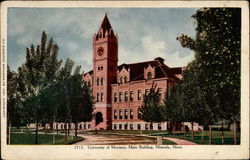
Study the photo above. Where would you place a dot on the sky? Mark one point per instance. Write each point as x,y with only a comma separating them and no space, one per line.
144,33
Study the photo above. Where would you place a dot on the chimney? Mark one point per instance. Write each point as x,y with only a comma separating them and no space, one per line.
160,60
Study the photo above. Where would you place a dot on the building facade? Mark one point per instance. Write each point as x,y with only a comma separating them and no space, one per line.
119,90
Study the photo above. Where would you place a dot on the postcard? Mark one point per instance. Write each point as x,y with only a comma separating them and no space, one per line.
124,80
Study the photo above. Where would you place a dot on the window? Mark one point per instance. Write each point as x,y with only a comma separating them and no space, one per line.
97,97
125,126
131,126
88,126
160,92
146,126
151,126
146,91
131,114
97,81
84,126
139,113
120,126
125,79
120,114
121,80
100,35
102,81
89,84
131,96
159,126
126,96
149,75
115,97
139,126
115,126
80,126
139,95
120,96
115,114
102,97
126,114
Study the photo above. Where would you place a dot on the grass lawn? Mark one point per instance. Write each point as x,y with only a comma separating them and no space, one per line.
228,137
167,142
45,139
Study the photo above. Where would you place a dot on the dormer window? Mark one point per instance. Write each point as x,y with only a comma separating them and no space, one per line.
149,75
121,80
125,79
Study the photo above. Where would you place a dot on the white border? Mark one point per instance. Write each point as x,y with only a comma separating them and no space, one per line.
187,152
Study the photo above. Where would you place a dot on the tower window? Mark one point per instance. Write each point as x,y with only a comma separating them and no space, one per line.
97,81
102,81
97,97
115,97
139,95
126,96
102,97
89,84
149,75
131,96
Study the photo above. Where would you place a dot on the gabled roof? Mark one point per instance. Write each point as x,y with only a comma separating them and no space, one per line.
137,70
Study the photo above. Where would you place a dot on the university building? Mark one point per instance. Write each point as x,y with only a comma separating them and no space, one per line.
119,90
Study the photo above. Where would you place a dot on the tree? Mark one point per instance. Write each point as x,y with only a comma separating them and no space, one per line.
81,100
174,111
217,61
152,110
38,75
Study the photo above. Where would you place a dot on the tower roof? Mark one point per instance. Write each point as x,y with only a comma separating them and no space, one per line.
105,24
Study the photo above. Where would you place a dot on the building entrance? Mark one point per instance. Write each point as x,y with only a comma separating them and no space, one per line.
98,118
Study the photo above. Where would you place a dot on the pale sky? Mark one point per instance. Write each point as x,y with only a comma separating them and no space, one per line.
144,33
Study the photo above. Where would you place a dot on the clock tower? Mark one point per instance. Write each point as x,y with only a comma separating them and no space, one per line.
105,58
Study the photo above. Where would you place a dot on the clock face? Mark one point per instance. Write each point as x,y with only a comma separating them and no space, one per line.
100,51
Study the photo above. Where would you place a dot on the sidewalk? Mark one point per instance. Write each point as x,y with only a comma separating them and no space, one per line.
179,141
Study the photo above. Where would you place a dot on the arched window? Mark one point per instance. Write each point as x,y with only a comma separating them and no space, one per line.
121,80
149,75
125,79
102,80
97,81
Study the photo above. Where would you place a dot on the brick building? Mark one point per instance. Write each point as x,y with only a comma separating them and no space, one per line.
119,90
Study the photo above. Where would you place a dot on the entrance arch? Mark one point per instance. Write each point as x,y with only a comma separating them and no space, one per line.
98,118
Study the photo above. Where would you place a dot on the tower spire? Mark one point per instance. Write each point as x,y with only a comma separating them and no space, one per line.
106,24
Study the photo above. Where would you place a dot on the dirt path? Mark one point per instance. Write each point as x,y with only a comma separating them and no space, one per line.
114,140
180,141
